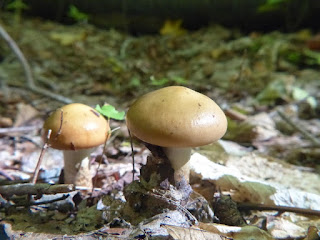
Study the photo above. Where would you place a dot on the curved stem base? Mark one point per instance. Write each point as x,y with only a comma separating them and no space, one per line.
179,159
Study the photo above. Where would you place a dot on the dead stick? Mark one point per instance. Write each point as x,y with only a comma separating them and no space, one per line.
176,205
235,115
132,154
100,161
6,175
33,203
263,207
14,47
49,94
19,129
37,169
299,129
35,189
27,70
63,197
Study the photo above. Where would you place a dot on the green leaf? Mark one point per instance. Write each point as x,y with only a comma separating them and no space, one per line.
165,81
179,80
277,89
299,94
17,5
158,82
109,111
313,57
76,14
134,82
272,5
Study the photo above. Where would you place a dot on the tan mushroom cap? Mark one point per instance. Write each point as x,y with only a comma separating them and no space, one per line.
82,127
176,117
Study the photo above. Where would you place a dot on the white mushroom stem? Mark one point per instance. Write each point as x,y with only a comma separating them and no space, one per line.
77,167
179,159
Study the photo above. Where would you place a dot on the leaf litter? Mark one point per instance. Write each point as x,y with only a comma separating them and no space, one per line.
264,158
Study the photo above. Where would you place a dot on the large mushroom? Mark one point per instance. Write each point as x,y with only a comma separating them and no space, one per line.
176,118
77,130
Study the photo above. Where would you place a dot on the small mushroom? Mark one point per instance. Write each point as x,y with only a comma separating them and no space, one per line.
77,129
176,118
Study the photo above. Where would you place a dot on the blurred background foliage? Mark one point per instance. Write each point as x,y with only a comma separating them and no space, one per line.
237,48
145,16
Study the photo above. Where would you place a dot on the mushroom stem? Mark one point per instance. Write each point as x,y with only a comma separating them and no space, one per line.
179,159
77,167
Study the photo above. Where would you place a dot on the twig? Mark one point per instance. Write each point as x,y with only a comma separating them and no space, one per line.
132,154
44,148
176,205
14,47
235,115
6,175
33,203
49,94
103,152
19,129
87,189
306,134
263,207
35,189
114,136
100,159
27,70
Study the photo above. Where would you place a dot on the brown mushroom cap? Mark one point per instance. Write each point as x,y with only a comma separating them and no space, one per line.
82,127
176,117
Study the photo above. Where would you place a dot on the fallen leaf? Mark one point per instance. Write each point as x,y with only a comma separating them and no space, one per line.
25,113
236,233
180,233
243,188
284,229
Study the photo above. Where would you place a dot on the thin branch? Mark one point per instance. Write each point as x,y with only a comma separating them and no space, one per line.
34,203
27,70
109,139
235,115
6,175
264,207
43,150
49,94
176,205
14,47
298,128
100,159
19,129
132,155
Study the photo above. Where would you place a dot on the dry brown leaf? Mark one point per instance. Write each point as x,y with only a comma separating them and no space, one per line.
284,228
246,189
5,122
40,236
25,113
236,233
180,233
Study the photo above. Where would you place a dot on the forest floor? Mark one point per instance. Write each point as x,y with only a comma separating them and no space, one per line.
268,84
